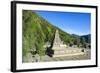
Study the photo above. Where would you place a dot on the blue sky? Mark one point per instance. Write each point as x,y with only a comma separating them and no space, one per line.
71,22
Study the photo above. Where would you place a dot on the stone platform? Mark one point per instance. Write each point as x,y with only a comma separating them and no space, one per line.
61,49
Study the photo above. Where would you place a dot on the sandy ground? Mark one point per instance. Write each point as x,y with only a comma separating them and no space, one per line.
46,58
87,55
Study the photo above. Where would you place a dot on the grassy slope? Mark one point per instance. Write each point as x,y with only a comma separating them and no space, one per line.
36,31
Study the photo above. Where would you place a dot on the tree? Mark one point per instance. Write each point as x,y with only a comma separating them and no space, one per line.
83,42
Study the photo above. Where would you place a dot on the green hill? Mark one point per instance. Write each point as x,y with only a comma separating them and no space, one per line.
37,32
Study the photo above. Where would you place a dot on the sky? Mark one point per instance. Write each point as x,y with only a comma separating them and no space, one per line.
70,22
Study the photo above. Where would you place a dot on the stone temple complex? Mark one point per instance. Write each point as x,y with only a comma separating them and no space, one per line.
60,49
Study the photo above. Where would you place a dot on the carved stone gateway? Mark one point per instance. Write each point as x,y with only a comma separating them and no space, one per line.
61,49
